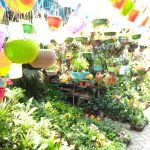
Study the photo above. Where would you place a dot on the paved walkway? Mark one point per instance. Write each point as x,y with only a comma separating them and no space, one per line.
141,140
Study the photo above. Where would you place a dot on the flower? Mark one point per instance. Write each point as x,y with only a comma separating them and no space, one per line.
9,82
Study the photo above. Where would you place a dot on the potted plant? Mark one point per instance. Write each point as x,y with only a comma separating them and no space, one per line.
54,21
79,68
28,28
99,21
112,66
97,64
53,69
69,56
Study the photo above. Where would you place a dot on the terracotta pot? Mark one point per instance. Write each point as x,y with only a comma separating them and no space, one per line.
98,77
68,60
81,83
110,79
54,21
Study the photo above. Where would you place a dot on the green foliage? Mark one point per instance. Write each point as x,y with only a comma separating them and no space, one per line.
54,125
32,81
80,64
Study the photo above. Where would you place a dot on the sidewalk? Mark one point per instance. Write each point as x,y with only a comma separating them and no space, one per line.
141,140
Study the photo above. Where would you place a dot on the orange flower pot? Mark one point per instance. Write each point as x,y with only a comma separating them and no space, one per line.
54,21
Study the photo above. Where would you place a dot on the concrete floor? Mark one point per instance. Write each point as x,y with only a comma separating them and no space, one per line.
141,140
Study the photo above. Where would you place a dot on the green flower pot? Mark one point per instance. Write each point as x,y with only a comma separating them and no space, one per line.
109,33
136,36
28,28
81,39
111,41
99,22
69,40
21,51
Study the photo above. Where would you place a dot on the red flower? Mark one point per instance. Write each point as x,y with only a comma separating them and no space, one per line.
9,82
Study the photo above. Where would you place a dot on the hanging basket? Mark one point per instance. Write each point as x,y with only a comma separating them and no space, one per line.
28,28
68,39
99,22
2,39
44,59
4,71
20,6
136,36
15,71
4,61
81,39
21,51
2,93
54,21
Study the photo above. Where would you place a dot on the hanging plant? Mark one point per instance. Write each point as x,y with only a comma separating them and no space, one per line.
21,51
99,22
54,22
136,36
81,39
28,28
110,33
44,59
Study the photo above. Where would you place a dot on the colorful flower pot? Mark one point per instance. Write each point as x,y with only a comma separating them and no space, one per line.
69,40
21,51
28,28
118,3
109,33
81,39
44,59
127,6
54,21
136,36
4,71
110,41
20,6
99,22
4,61
97,68
133,15
78,75
75,24
2,93
2,39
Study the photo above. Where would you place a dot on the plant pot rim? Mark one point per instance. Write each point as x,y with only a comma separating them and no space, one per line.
53,16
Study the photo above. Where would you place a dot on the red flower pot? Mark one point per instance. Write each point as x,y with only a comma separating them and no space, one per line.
54,21
2,93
